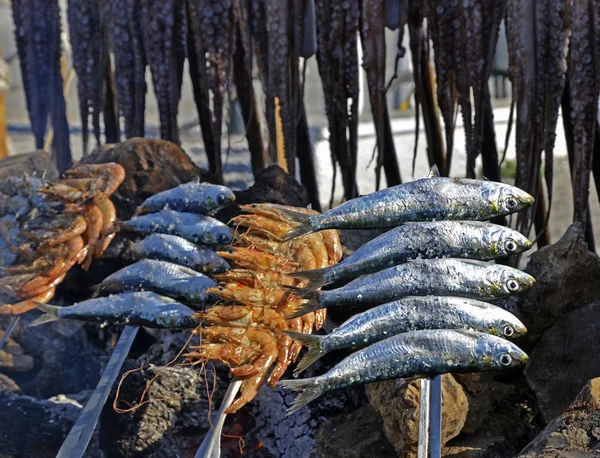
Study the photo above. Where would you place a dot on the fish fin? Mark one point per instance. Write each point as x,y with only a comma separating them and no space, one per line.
313,342
308,392
434,172
51,314
315,278
302,219
313,303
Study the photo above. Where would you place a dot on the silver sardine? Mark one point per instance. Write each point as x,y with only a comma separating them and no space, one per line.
416,353
410,314
430,277
193,197
438,239
133,308
173,248
427,199
161,277
195,228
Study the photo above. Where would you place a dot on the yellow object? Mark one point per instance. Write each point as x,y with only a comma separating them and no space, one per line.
279,136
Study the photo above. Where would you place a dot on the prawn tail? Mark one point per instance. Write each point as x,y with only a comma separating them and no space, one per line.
315,278
309,389
311,304
51,314
315,352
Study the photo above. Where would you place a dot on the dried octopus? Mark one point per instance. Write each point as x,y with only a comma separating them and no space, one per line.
248,336
49,227
37,35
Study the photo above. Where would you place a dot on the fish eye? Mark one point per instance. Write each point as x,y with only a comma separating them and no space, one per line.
220,198
505,359
186,321
508,331
512,285
510,246
511,203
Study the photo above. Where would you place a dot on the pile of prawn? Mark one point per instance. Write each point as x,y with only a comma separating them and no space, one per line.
48,227
246,332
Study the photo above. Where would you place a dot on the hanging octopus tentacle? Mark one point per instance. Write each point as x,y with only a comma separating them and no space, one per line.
373,43
424,91
337,57
85,37
164,26
537,34
281,67
130,64
212,33
37,35
584,86
555,70
441,15
521,44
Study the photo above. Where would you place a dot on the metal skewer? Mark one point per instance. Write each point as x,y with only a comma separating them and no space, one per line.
9,331
211,445
430,418
423,450
435,417
77,441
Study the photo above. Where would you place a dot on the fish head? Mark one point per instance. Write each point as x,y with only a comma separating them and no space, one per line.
219,196
505,324
496,353
174,318
507,241
505,281
511,199
222,235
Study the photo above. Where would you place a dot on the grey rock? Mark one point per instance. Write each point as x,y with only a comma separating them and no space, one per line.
38,163
36,428
357,434
566,276
575,433
567,356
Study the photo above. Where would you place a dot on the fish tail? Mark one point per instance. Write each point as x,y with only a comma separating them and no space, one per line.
293,217
51,314
315,278
315,352
312,303
309,391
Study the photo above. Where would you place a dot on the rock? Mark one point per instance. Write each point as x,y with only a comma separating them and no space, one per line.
399,409
483,394
357,434
13,358
575,433
565,358
151,166
39,162
295,435
62,347
8,385
275,186
37,428
566,276
480,446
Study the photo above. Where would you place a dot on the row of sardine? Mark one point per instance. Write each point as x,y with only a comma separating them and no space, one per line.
432,319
